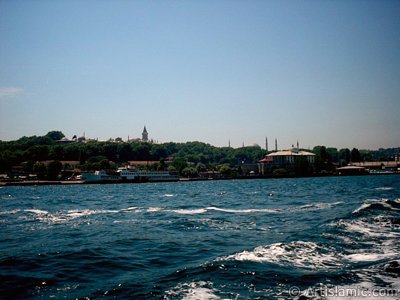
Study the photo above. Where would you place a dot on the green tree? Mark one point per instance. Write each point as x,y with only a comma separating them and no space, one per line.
344,155
189,172
53,169
104,164
56,152
179,164
40,169
8,159
37,153
302,167
225,170
28,166
55,135
321,157
172,169
333,154
201,167
355,155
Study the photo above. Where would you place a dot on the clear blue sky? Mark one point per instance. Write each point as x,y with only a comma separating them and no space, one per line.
321,72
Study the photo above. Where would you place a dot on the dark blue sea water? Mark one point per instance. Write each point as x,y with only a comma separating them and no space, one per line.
239,239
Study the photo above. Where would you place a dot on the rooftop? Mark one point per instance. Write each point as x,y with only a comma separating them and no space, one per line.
291,152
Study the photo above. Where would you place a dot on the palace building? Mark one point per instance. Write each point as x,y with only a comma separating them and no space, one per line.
284,159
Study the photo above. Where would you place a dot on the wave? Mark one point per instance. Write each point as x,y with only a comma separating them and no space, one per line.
72,214
189,211
131,209
193,291
251,210
168,195
154,209
37,211
369,257
378,228
60,217
384,188
317,206
9,212
202,210
299,253
383,204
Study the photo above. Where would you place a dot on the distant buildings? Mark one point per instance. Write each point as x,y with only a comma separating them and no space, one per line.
285,159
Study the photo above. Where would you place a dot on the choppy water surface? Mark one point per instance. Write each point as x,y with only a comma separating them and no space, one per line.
265,239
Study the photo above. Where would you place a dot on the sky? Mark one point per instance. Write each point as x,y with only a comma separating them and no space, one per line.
317,72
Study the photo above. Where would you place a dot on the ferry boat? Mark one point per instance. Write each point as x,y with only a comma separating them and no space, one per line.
126,175
100,176
129,175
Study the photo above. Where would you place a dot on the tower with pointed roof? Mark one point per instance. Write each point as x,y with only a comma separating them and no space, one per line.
145,135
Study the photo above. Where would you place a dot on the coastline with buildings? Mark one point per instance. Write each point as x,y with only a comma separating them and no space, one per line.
54,159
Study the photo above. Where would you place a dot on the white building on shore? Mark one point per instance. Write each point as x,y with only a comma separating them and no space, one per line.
284,159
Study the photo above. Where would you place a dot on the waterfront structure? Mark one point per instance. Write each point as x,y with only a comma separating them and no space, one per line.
379,165
145,135
285,159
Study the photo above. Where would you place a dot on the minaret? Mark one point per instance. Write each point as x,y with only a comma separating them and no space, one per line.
298,146
266,144
276,145
229,143
145,135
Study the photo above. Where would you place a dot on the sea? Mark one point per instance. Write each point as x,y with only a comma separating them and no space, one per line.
298,238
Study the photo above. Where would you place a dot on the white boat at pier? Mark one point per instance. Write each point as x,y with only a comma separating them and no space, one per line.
127,175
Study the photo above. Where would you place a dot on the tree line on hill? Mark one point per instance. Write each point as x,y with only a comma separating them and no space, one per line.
32,151
188,158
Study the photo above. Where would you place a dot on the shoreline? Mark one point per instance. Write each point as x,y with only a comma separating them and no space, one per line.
78,182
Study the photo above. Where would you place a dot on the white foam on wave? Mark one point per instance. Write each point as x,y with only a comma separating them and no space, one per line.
366,257
377,229
318,206
44,216
154,209
200,290
370,202
189,211
62,217
72,214
9,212
299,253
192,211
168,195
384,188
37,211
250,210
131,209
